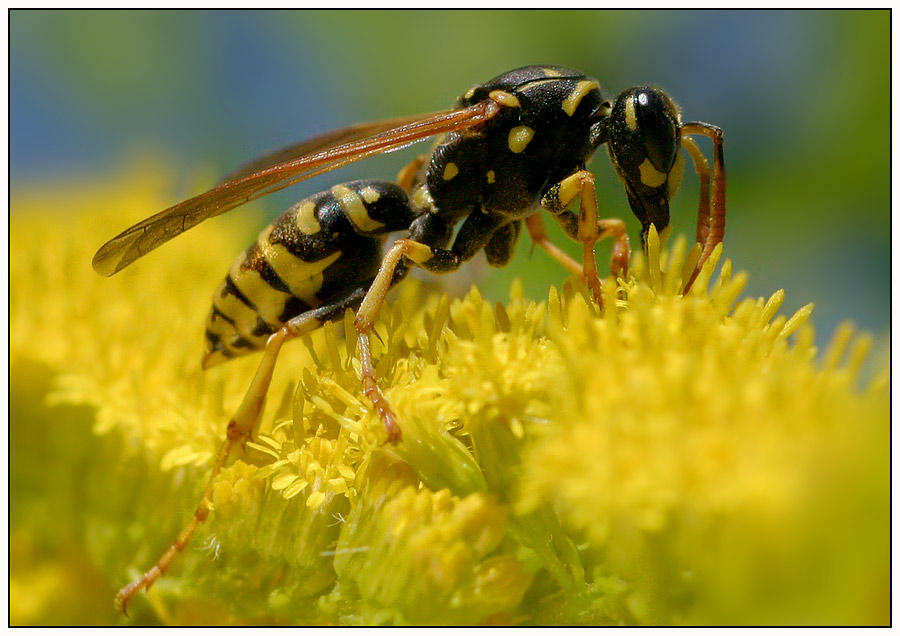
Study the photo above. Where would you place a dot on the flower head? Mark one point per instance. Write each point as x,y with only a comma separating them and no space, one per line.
671,458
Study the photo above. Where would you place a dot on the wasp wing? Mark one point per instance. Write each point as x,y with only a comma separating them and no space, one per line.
318,143
281,169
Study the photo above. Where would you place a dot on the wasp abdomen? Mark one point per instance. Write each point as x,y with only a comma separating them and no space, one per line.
321,249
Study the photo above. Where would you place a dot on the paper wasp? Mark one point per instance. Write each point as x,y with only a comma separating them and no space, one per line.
509,148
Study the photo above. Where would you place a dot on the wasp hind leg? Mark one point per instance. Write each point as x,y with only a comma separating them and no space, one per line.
240,429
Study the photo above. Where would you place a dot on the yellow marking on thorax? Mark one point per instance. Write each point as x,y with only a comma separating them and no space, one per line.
370,194
491,177
519,137
570,103
630,115
450,171
353,206
549,72
537,82
306,218
469,93
504,99
650,176
302,278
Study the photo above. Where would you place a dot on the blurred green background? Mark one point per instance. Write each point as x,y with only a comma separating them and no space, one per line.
802,96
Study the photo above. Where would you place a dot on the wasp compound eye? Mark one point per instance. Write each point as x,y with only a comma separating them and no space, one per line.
657,125
644,127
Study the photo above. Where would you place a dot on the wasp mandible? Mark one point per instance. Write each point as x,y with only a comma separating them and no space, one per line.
511,147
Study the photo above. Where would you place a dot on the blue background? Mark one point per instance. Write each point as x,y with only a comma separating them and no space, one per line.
802,96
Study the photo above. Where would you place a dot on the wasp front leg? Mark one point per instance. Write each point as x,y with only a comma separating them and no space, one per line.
585,227
711,209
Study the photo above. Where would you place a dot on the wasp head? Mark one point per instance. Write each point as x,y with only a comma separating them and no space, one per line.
643,131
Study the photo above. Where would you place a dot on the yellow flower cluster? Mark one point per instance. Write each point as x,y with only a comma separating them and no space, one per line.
669,459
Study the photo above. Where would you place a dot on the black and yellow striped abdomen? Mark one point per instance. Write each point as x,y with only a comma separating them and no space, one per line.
313,257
